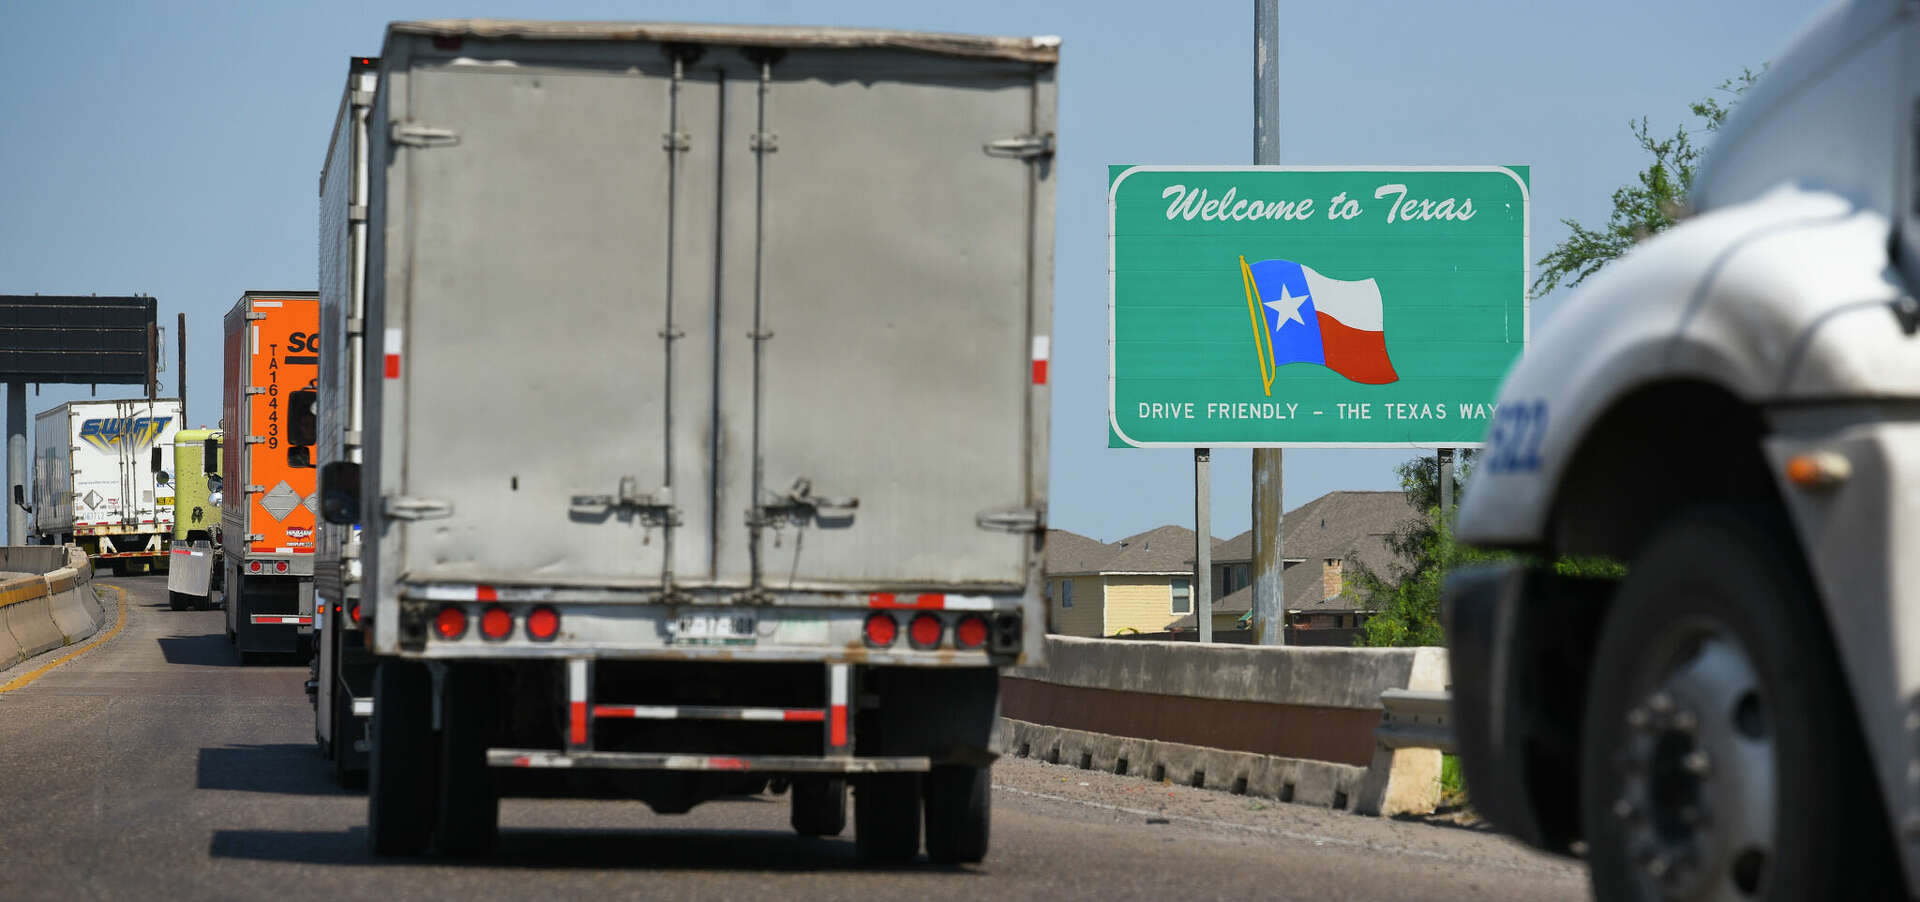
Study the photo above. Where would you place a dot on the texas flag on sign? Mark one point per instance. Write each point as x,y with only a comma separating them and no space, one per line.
1301,316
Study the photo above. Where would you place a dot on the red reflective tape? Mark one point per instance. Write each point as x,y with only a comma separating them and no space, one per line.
727,763
579,727
890,601
1039,372
811,716
181,551
523,761
485,593
837,728
393,366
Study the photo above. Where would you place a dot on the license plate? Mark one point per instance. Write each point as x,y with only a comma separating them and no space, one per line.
715,628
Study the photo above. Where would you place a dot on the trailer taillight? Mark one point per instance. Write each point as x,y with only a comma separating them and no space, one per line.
253,566
882,630
925,631
354,612
970,632
496,623
451,622
543,623
279,566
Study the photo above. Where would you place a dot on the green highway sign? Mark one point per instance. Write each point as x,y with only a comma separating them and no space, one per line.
1293,306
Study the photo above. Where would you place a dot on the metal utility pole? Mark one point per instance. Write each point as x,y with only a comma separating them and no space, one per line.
16,459
1444,457
180,379
1203,542
1269,602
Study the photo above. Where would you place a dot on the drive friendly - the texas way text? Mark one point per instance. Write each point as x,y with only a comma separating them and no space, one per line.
1287,410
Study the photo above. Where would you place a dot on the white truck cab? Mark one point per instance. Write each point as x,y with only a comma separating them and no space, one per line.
1733,411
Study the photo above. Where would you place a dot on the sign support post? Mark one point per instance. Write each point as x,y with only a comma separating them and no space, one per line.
1203,543
1269,607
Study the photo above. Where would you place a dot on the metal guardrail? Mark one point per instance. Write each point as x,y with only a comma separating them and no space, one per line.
1419,720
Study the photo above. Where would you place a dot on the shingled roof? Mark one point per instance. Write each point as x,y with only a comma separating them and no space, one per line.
1071,552
1166,549
1348,526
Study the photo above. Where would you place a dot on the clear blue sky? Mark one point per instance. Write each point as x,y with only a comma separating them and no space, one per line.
174,149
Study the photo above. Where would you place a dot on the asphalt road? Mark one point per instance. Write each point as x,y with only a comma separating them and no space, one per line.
154,766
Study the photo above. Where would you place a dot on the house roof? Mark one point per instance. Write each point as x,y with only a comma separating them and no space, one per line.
1165,549
1345,526
1071,552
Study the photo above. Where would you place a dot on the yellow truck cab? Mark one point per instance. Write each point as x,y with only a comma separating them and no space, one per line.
195,548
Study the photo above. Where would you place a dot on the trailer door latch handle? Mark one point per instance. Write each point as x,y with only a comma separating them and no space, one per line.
403,508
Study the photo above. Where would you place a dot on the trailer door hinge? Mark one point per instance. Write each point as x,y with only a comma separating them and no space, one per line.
764,142
256,489
356,325
1019,519
357,213
414,134
256,537
1025,147
256,439
363,98
676,141
256,390
255,315
395,507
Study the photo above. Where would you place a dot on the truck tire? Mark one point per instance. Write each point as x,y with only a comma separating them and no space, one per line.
959,802
469,802
886,825
402,782
819,806
1721,757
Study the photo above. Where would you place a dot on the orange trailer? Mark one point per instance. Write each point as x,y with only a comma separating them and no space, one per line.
268,506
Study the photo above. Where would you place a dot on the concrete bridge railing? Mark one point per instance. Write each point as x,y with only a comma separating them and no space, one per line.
1290,723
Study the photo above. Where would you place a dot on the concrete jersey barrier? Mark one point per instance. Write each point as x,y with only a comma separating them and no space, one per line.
1286,722
49,605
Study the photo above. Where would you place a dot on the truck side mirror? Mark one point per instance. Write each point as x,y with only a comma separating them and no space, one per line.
210,456
154,466
340,492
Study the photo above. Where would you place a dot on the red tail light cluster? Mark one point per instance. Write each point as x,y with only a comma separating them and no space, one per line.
496,623
926,630
354,612
253,566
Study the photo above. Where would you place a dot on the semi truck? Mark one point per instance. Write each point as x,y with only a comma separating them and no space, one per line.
1732,411
267,422
342,677
102,480
193,559
705,444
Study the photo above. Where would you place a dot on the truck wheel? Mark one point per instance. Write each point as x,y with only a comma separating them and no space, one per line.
1721,757
819,806
469,803
886,823
401,783
959,801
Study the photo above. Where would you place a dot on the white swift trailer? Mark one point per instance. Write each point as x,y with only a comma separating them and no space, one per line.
103,479
706,419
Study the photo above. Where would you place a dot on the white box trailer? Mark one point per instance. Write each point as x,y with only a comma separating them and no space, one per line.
706,424
342,679
98,483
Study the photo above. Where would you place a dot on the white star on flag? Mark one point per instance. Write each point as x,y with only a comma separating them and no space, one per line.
1289,306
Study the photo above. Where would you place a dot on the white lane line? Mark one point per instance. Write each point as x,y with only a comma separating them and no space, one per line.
1315,838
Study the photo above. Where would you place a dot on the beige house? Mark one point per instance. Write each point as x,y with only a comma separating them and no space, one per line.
1140,584
1322,539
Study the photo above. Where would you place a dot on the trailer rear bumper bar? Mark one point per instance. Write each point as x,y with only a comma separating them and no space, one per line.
587,760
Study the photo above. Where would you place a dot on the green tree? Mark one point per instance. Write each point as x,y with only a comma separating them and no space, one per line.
1651,203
